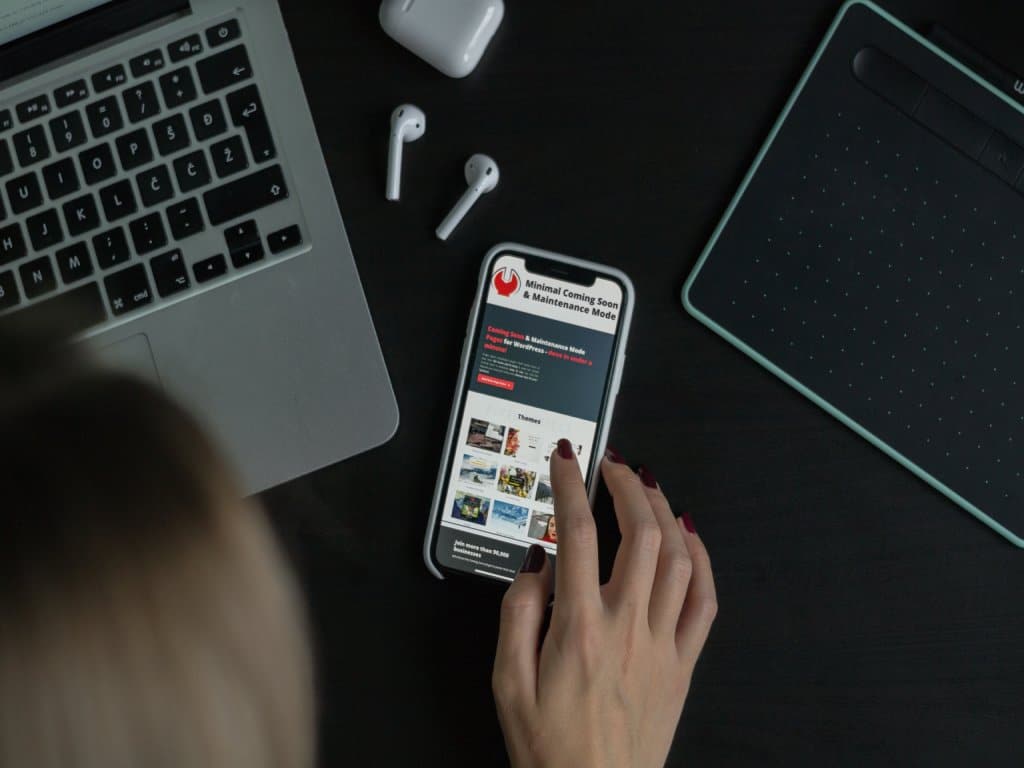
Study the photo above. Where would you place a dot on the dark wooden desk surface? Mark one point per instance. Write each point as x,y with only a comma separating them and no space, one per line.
864,619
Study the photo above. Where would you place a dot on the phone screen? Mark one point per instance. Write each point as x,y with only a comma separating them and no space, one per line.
542,358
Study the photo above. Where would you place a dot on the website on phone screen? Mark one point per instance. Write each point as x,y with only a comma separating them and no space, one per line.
538,373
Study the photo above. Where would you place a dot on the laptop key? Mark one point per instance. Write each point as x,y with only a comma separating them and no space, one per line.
81,215
171,134
284,239
210,268
208,120
111,248
30,146
37,277
245,195
67,131
223,33
224,69
73,311
148,233
44,230
128,289
8,291
155,185
6,161
185,219
109,78
229,156
24,193
247,256
72,93
97,164
241,235
178,87
12,244
185,48
246,110
192,171
61,178
104,117
6,120
74,263
140,102
118,200
33,108
147,63
169,273
134,149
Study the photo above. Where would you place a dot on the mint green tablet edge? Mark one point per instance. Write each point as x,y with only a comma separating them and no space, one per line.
763,361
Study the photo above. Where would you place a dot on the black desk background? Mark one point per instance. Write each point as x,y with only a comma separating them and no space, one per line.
863,617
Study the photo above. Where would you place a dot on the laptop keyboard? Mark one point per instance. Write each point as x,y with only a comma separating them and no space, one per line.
108,180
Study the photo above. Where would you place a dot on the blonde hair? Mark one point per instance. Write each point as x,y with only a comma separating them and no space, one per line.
147,616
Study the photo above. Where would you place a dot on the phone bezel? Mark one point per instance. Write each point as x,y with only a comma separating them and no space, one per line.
561,267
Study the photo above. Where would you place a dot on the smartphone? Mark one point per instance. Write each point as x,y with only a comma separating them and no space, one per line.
544,353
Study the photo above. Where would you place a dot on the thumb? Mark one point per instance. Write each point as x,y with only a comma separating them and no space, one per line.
522,616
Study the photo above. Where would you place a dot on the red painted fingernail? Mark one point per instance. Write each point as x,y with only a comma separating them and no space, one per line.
688,522
614,455
647,477
534,560
565,449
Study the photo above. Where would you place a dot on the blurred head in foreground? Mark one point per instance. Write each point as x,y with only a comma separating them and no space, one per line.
147,617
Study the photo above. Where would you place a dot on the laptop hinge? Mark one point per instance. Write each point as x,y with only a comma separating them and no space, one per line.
61,41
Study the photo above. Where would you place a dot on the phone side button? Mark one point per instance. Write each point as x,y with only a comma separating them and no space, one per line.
617,378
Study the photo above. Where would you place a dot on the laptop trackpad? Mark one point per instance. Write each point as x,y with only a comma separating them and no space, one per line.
133,355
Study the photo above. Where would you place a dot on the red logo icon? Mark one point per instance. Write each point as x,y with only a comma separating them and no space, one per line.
506,281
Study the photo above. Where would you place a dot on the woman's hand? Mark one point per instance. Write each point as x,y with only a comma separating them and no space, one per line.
606,685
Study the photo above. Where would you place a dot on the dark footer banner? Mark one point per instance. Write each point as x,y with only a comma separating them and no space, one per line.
463,549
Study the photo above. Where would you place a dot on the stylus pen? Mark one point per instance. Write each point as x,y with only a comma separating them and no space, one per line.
997,75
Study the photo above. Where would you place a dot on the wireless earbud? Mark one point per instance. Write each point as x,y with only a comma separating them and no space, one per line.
482,176
408,123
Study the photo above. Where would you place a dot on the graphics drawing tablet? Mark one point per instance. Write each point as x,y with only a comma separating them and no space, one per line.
873,258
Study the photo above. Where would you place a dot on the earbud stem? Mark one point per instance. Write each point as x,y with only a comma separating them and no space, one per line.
458,213
394,186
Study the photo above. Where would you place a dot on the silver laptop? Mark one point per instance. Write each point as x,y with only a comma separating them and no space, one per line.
164,195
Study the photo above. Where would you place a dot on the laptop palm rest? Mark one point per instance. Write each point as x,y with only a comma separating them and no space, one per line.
132,355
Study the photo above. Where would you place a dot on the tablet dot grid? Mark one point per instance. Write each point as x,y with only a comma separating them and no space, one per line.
884,270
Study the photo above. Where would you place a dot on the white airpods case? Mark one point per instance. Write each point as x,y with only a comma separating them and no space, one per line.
451,35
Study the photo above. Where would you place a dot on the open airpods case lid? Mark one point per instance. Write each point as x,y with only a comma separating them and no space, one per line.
451,35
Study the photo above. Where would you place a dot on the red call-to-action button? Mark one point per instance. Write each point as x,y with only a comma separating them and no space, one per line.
483,378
